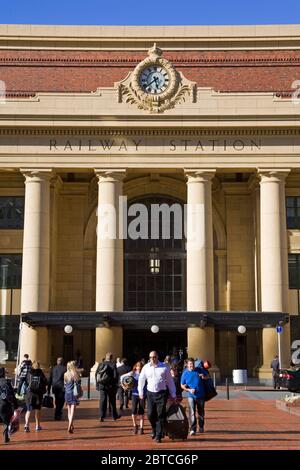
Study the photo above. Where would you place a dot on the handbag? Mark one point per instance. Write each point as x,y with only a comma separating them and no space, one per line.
48,402
209,390
77,390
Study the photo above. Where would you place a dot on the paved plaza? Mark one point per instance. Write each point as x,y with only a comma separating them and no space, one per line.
248,421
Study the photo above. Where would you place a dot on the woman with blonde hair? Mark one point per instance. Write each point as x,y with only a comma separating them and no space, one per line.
72,392
138,405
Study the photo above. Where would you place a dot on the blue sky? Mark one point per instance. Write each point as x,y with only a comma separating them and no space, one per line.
150,12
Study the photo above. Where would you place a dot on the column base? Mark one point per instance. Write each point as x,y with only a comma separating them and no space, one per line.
264,373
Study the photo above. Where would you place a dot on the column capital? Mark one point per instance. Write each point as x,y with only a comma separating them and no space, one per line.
37,175
272,175
196,175
110,175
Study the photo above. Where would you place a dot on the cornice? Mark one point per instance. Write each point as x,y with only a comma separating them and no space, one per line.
178,58
142,37
149,132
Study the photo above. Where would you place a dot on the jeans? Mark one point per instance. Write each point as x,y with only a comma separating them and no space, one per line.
198,403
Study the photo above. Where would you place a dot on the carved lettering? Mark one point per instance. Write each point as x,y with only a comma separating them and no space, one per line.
123,146
172,145
107,144
68,146
53,144
136,143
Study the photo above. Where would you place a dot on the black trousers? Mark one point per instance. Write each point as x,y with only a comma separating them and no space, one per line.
275,380
123,397
59,395
157,411
6,412
111,394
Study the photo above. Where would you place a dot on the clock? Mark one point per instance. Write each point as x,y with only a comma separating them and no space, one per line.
154,79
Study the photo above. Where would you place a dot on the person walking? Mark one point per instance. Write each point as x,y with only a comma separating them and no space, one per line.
192,382
23,371
106,383
72,382
36,384
137,404
122,394
275,371
159,383
177,381
56,382
8,403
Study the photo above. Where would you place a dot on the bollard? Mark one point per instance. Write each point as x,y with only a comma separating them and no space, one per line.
89,388
227,388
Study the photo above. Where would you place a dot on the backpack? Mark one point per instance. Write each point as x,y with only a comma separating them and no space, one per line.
5,393
104,375
36,385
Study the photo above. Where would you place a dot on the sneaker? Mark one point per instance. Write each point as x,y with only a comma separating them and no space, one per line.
192,433
117,417
26,429
38,428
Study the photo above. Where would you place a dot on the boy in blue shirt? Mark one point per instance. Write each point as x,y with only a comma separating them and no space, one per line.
192,382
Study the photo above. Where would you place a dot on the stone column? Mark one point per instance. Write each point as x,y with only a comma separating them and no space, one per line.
274,262
36,260
109,271
200,278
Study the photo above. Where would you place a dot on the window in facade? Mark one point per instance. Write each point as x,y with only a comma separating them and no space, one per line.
294,271
10,271
155,268
11,212
293,212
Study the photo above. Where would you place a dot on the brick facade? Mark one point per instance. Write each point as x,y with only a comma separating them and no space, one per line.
85,71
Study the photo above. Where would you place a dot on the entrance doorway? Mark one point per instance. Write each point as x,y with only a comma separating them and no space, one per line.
155,268
138,344
241,352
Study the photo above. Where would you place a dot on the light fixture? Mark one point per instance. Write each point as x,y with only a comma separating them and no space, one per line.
154,328
68,329
154,261
242,329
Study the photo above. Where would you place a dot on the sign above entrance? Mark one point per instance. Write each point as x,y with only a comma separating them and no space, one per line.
155,85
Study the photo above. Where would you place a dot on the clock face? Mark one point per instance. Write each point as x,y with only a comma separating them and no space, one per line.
154,79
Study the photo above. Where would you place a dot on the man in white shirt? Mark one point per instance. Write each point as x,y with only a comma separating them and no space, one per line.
159,384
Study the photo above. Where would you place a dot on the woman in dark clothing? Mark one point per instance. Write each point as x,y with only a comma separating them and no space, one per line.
36,387
8,403
177,378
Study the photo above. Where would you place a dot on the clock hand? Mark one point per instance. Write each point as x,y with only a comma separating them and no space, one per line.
154,80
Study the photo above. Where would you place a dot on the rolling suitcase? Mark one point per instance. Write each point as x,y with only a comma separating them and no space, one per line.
177,425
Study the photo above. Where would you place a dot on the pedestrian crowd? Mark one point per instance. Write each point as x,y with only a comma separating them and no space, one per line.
151,387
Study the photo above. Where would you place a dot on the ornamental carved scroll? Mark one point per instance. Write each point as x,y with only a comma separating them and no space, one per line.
178,90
